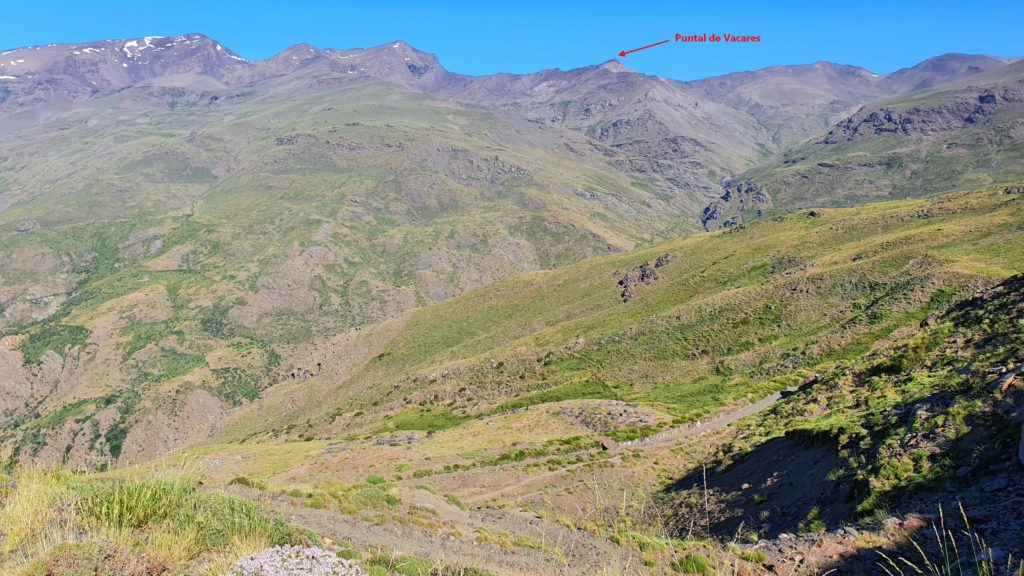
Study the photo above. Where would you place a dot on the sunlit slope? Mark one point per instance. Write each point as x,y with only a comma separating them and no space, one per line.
732,315
950,137
166,254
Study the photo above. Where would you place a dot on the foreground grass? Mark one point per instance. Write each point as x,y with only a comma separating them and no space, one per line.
57,522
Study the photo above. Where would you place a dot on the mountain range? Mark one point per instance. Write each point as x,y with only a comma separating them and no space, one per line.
320,192
332,275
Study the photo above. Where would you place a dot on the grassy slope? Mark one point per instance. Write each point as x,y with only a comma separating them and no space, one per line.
180,246
933,159
919,420
734,315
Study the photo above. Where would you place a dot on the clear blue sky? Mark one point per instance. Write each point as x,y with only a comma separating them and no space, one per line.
485,37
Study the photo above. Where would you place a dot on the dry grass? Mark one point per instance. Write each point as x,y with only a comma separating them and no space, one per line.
159,518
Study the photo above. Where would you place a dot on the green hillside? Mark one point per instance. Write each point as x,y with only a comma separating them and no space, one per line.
732,315
950,137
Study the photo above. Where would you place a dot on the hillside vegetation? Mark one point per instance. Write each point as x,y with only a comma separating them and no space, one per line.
947,137
730,316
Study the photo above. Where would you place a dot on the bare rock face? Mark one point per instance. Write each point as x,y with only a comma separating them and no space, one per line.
198,418
22,386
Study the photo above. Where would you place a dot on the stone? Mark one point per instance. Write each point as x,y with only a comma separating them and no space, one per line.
931,320
994,485
892,524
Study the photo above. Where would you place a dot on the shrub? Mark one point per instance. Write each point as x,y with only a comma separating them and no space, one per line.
454,501
812,523
691,564
247,482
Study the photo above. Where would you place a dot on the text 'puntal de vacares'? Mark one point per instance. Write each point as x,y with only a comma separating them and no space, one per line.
716,38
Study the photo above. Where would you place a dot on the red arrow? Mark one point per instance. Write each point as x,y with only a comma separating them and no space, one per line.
624,52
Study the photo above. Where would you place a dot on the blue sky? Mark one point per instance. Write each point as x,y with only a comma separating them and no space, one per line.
485,37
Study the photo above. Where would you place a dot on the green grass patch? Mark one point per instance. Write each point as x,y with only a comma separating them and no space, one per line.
426,419
586,389
52,337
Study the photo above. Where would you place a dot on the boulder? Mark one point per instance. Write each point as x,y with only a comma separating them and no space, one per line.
994,485
931,320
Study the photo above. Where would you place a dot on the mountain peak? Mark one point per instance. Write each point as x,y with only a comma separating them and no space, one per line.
614,65
941,69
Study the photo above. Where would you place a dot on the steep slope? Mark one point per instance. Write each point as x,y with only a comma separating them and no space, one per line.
859,275
192,247
155,356
941,70
42,77
794,102
803,101
932,418
954,135
686,142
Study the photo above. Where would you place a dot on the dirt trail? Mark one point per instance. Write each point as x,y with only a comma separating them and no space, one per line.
659,439
555,551
462,535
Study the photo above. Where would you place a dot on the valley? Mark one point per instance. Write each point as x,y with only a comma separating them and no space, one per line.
583,321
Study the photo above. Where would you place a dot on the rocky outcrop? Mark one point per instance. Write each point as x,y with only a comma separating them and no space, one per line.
642,274
738,197
966,109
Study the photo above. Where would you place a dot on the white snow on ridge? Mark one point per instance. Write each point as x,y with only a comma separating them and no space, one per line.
397,44
7,77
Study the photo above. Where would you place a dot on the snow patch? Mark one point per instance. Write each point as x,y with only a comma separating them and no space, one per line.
219,48
76,52
123,64
7,77
90,50
397,44
239,58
